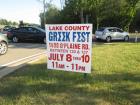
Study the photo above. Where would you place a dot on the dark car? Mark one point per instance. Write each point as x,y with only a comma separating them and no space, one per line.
27,34
7,28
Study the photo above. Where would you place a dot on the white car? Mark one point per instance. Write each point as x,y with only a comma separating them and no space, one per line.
3,44
111,33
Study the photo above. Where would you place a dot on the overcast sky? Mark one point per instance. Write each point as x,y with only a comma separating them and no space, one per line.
26,10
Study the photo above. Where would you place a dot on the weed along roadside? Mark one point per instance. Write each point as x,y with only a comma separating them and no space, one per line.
114,80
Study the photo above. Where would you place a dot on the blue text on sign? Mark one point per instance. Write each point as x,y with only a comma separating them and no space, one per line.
65,36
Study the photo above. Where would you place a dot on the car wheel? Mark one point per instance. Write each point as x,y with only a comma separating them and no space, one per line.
108,39
44,40
15,39
126,38
3,48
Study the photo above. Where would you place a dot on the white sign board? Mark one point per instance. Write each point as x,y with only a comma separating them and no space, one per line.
69,47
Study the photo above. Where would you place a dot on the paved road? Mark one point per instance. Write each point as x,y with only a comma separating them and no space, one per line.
18,51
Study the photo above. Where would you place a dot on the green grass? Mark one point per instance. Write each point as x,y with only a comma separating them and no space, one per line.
115,80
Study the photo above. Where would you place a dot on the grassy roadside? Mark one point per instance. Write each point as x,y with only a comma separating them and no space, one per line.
115,80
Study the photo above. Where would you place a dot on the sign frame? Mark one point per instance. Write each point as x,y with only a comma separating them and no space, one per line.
69,47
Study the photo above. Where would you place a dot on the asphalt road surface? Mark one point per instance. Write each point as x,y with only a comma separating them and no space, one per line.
18,51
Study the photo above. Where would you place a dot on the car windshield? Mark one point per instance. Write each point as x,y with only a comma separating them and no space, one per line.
112,30
40,29
101,29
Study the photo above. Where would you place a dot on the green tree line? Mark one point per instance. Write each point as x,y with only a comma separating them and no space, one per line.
101,13
6,22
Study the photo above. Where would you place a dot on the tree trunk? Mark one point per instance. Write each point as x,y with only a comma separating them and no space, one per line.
97,23
82,15
132,14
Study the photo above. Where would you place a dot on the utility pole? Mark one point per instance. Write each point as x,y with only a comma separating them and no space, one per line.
62,2
45,6
87,18
44,12
82,15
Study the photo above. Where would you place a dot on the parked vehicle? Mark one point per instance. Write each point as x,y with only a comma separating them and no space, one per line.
27,33
6,29
3,44
111,33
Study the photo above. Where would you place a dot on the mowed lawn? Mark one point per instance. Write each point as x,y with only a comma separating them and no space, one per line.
115,80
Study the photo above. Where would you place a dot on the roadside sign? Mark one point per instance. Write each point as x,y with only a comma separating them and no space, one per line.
69,47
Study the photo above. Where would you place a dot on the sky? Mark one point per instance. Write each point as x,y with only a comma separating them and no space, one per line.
26,10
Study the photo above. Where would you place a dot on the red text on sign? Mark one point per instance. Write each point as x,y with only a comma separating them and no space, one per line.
56,57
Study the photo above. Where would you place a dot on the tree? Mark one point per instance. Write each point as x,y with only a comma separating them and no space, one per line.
45,6
51,15
130,11
6,22
118,13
